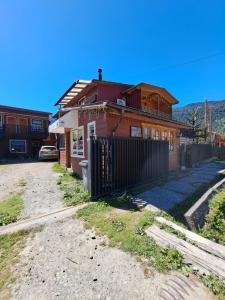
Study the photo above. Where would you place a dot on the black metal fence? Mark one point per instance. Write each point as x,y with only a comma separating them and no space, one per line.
117,163
196,153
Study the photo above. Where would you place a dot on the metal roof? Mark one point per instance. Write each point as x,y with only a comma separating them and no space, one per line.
73,91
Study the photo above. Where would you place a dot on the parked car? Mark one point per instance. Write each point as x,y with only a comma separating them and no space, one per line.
48,152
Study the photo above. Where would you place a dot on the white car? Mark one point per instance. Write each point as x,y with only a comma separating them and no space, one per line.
48,152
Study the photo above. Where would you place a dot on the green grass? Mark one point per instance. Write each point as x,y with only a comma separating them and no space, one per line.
125,230
214,227
73,190
10,209
215,285
180,209
58,168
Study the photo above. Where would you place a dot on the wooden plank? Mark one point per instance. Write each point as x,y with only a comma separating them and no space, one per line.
201,242
202,261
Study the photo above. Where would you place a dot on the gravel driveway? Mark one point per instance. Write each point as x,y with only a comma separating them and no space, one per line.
37,183
66,261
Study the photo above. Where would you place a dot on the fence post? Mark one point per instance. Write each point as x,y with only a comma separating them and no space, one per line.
90,161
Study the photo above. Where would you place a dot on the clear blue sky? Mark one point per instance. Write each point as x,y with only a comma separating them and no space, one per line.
45,45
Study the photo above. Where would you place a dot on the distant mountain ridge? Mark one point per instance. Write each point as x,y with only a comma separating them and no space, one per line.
218,114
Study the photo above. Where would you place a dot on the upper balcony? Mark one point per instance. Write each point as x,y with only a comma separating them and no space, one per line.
23,131
157,113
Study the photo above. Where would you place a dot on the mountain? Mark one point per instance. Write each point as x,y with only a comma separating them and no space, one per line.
217,111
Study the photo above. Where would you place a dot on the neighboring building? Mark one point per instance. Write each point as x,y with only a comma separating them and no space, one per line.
22,131
104,108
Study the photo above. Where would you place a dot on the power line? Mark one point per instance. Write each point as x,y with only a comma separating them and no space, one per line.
190,61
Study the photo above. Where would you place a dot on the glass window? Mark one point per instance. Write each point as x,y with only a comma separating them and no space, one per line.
77,143
136,131
171,140
91,129
147,133
1,121
36,125
164,135
155,134
17,146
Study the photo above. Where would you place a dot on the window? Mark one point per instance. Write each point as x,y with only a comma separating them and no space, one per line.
155,134
17,146
36,125
77,142
61,141
91,127
136,131
164,135
147,133
1,121
171,140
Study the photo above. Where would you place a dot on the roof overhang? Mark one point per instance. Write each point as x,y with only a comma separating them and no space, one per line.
73,91
69,120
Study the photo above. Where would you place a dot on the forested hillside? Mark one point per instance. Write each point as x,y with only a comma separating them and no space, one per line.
218,114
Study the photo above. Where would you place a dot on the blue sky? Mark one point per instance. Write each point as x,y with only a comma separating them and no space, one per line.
45,45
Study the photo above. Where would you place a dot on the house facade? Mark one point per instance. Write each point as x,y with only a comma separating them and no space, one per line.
103,108
22,131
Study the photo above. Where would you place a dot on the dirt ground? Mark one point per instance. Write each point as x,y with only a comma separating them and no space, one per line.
37,183
66,261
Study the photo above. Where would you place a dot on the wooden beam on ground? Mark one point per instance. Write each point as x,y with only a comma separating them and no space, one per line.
201,242
201,261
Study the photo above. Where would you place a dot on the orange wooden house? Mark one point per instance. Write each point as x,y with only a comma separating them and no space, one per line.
104,108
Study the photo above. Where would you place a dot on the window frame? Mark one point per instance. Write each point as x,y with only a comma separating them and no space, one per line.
135,127
72,142
38,128
88,129
10,146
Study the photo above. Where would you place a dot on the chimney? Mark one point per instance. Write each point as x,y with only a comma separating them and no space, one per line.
99,74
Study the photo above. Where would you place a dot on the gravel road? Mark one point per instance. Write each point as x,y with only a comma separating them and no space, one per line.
37,183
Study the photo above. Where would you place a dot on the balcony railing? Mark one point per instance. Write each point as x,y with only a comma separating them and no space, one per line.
155,112
23,131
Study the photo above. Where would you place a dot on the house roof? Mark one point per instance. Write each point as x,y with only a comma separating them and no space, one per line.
153,88
73,91
11,109
80,87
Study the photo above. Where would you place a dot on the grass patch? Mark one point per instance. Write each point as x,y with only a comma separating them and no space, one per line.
10,209
10,246
180,209
214,228
215,285
58,168
125,230
73,190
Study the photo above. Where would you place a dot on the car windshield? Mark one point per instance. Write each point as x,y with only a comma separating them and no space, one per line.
49,148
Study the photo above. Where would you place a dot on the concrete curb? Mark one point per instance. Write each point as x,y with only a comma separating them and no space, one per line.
195,216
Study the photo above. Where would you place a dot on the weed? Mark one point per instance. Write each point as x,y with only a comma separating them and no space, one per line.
58,168
215,285
73,189
10,209
214,227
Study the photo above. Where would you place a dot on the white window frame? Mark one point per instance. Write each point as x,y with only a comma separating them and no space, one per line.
37,128
10,146
71,142
88,128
